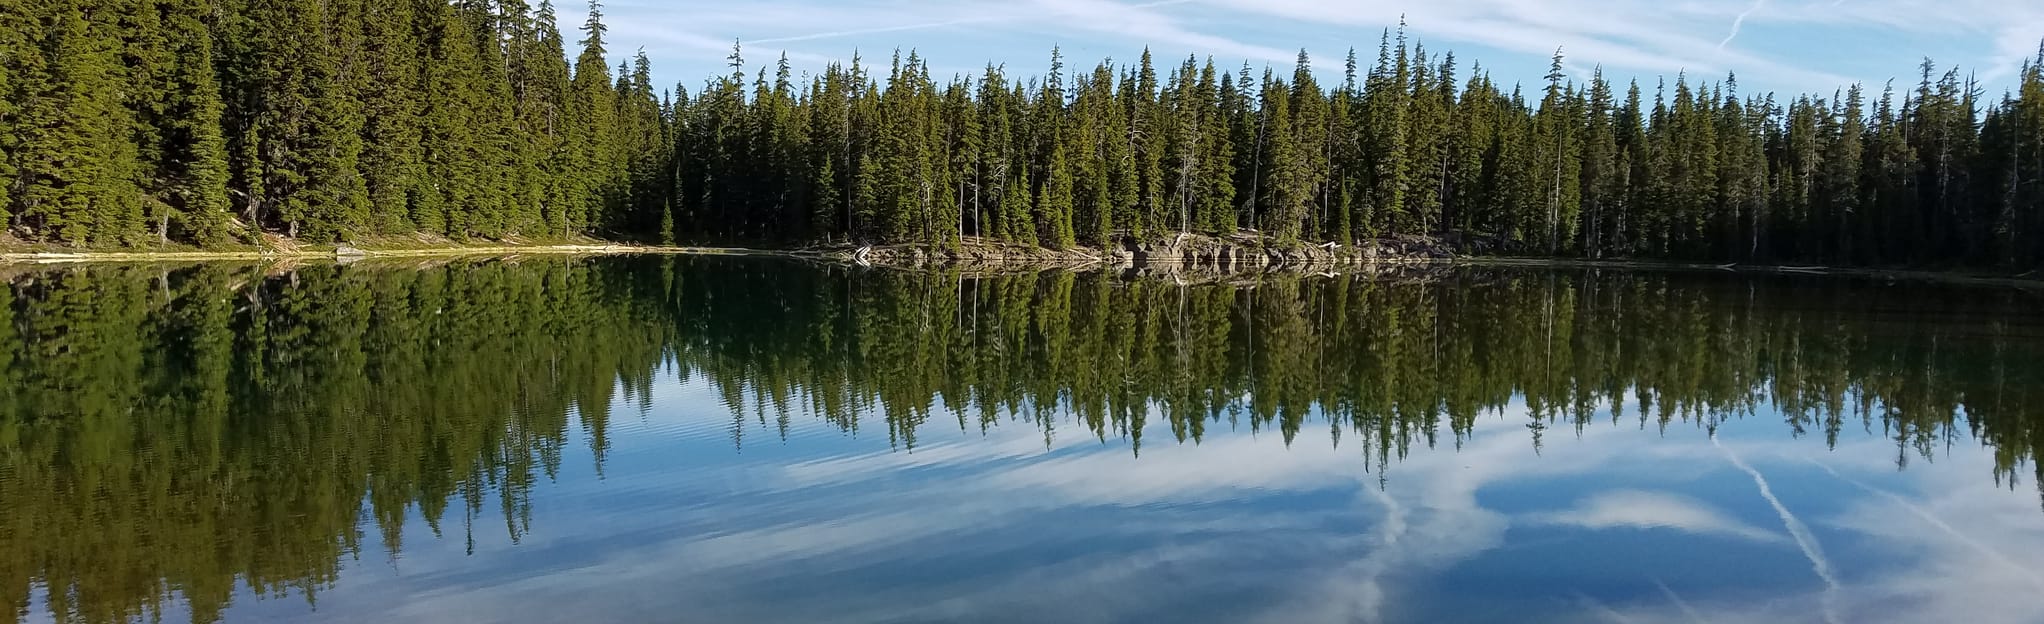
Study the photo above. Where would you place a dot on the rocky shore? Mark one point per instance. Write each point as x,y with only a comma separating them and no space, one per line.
1240,250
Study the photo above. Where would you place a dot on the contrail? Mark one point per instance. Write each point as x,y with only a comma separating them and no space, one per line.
1740,21
1935,521
1681,604
1603,609
1804,539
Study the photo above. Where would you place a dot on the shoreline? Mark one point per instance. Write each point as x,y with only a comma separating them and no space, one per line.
347,254
996,258
2032,280
1307,258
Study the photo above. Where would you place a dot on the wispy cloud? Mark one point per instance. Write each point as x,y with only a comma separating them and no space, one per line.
1632,35
1634,509
1629,37
1932,519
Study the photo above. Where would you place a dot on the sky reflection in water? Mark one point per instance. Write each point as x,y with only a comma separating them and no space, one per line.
696,514
1621,524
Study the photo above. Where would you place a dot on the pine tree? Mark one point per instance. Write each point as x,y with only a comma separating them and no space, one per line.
998,164
393,107
1838,196
1427,149
547,117
964,140
328,200
1055,201
327,120
1016,204
1246,125
1743,208
1692,176
458,155
1889,185
592,115
77,170
1631,219
1472,156
830,137
1214,193
1099,158
1124,208
1347,170
536,75
1149,134
1278,200
1557,159
1518,186
178,109
1305,204
1603,184
1383,119
1054,206
17,55
642,194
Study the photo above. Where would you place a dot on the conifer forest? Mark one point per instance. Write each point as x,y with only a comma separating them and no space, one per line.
217,122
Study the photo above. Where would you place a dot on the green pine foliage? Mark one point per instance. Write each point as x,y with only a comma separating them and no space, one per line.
15,53
209,122
77,167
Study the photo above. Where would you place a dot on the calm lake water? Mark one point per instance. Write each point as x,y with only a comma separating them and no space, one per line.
750,440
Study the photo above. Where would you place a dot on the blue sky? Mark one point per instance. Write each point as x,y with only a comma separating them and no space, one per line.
1620,521
1777,45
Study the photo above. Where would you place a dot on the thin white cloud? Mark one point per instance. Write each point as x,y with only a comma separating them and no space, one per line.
1931,518
1149,24
1694,616
2009,29
1635,509
1221,468
848,513
1604,611
1797,530
1630,35
1741,21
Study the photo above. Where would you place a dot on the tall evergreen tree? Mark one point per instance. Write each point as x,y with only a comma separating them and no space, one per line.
76,166
1555,144
394,107
150,121
592,115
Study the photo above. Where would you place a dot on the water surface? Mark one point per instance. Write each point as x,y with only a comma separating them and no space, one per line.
757,440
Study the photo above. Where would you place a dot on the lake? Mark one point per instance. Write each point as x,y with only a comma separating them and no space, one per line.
711,439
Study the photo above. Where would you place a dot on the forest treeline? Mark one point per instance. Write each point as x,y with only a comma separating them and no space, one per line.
226,425
211,121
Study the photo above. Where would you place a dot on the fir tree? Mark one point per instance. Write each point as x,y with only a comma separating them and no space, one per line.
592,113
393,104
78,169
158,120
